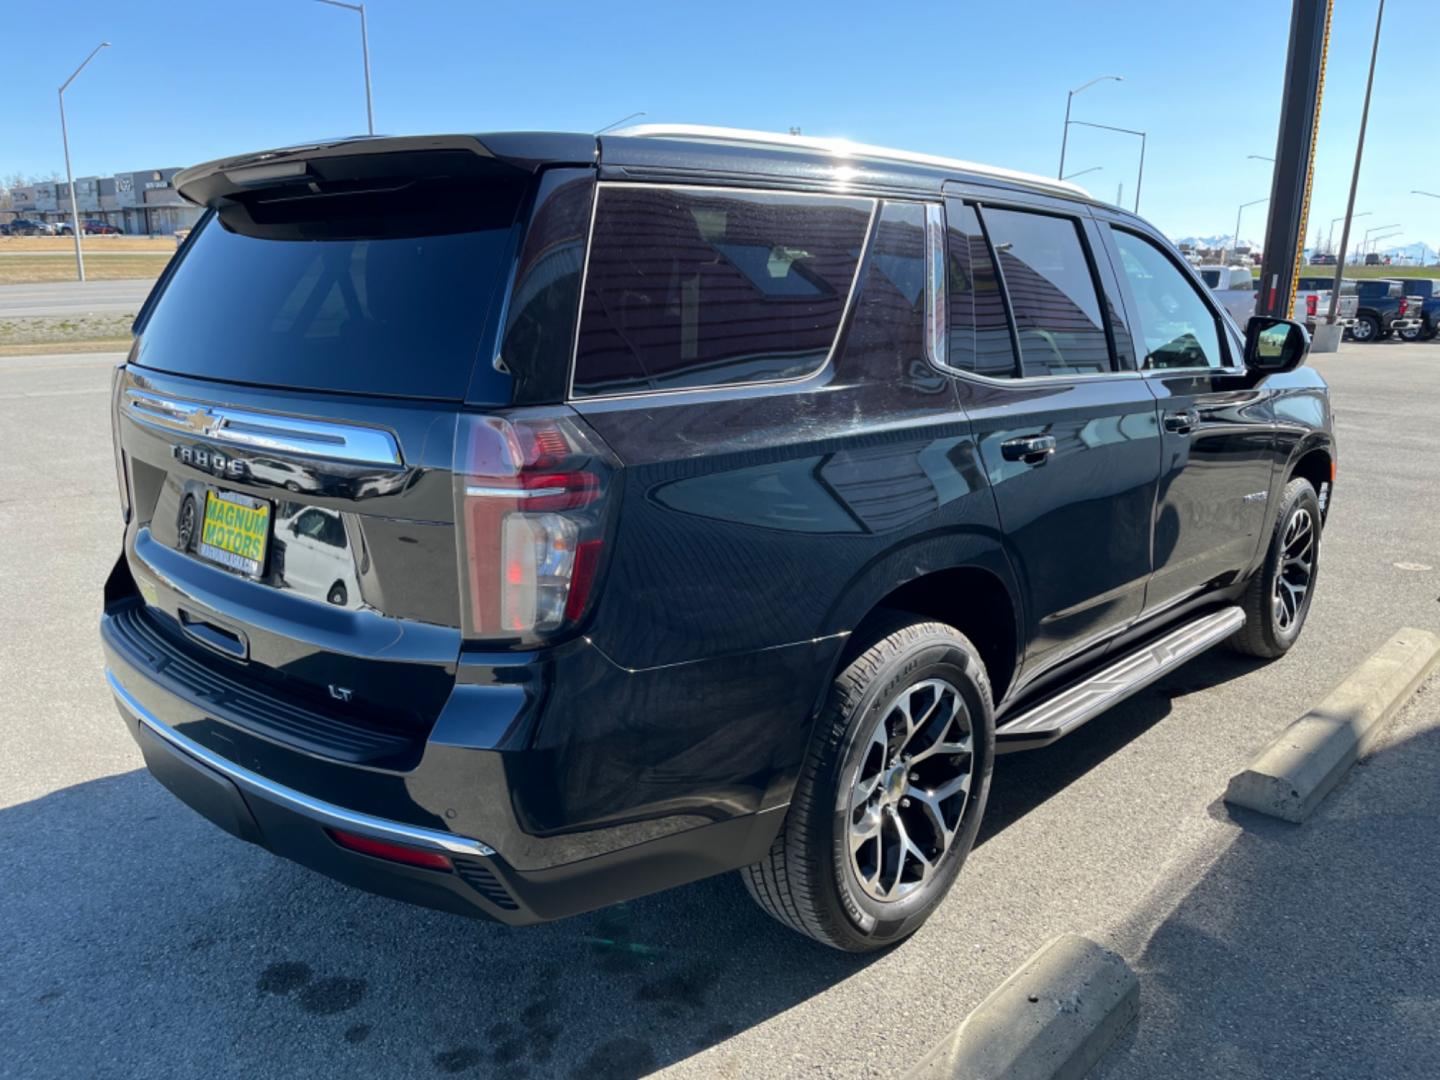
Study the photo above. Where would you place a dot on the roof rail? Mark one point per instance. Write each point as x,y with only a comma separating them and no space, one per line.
841,148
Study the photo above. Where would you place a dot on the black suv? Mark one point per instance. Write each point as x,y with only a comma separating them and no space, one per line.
521,523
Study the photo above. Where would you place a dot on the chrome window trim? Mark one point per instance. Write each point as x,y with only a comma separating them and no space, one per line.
710,388
297,801
264,431
935,298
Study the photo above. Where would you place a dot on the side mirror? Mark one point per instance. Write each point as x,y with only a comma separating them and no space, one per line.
1275,344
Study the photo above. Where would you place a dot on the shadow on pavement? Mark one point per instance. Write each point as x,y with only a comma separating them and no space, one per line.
1306,950
138,940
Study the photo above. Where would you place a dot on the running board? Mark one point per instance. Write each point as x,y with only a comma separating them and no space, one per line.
1082,701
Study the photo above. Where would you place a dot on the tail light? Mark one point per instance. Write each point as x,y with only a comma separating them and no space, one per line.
1403,305
117,380
531,492
1312,305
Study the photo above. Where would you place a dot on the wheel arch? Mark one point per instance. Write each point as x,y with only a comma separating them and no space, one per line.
1315,461
978,598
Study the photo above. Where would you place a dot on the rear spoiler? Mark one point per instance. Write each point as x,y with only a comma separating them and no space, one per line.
343,161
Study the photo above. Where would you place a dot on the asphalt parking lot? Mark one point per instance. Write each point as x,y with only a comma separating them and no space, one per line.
138,940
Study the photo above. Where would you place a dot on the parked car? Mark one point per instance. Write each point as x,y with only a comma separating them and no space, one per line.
791,484
31,227
1429,294
1383,309
96,227
1323,258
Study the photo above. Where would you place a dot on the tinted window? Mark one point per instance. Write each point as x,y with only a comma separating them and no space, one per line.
979,337
1177,326
700,287
1210,277
886,340
1052,293
375,294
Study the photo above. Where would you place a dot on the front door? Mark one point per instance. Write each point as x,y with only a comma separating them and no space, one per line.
1217,431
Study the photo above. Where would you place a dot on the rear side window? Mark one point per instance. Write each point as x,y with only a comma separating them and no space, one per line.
1052,292
372,293
979,338
702,287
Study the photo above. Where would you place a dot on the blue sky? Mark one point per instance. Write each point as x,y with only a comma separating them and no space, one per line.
187,82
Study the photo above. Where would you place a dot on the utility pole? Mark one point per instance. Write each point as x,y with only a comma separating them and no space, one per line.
1294,156
69,175
1355,175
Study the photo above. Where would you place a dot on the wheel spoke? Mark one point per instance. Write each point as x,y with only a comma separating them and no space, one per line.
909,850
904,808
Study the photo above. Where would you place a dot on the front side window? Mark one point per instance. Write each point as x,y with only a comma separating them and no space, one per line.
1052,293
1178,328
702,287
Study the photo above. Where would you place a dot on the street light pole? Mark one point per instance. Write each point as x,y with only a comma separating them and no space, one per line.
1069,97
69,175
1124,131
1252,202
1355,176
365,49
1330,242
1082,172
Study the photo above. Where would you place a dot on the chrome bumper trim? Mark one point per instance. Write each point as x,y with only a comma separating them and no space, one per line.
316,809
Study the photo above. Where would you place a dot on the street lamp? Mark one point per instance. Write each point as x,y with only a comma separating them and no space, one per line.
70,176
1259,157
1140,176
1429,193
1377,239
1330,243
1378,228
1065,132
365,48
1252,202
1082,172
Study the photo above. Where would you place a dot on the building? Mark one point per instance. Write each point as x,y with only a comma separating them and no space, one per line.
139,203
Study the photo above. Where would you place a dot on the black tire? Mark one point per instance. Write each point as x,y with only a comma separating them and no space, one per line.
1413,334
338,594
1365,330
809,880
1273,615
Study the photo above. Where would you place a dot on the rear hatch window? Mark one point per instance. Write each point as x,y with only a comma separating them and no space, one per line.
370,291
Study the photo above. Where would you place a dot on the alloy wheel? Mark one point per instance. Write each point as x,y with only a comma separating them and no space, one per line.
1296,569
910,789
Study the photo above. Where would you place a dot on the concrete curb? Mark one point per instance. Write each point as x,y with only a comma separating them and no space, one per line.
1051,1020
1296,771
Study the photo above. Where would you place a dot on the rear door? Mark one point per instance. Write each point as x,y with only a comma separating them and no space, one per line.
1216,427
1066,428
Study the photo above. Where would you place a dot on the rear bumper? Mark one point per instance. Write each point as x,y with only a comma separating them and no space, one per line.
543,808
481,884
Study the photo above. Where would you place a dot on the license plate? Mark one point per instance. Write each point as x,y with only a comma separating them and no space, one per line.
235,531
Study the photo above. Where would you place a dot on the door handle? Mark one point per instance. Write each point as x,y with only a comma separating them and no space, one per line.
1031,449
1182,423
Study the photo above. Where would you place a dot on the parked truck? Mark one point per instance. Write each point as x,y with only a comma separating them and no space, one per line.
1236,289
1384,309
1428,289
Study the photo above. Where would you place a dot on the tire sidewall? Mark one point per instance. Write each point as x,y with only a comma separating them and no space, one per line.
1371,333
1297,495
935,656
